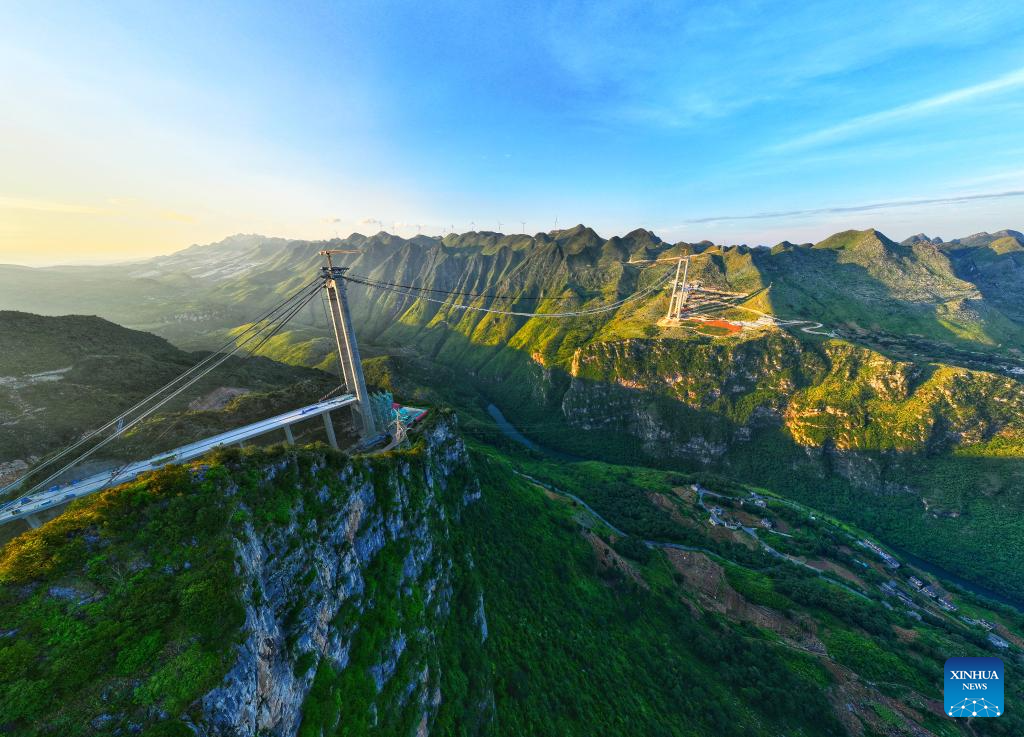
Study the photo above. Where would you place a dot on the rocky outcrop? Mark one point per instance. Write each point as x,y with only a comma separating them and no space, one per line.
852,397
373,546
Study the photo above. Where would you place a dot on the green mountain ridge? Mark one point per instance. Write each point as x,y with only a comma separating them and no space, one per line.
895,408
63,376
921,287
438,590
170,604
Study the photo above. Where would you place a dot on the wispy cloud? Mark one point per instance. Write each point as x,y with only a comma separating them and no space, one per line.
874,206
1008,176
902,112
20,203
726,55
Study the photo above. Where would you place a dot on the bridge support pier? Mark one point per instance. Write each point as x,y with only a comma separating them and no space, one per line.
33,521
348,349
329,427
288,437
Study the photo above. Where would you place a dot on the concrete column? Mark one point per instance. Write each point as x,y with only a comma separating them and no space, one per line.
349,336
348,353
330,430
289,438
672,297
33,521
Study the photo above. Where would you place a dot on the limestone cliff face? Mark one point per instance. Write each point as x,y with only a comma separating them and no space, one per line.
268,591
356,590
841,404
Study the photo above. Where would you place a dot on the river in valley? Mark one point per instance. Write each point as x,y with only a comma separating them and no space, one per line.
513,433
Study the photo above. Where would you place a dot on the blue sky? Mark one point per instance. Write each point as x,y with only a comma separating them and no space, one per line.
133,129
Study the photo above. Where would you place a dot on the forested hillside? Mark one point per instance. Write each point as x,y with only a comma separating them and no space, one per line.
61,377
908,396
454,590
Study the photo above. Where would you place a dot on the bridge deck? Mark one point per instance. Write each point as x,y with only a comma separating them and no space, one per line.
19,508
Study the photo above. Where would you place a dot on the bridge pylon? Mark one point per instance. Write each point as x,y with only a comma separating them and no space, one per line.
680,292
345,341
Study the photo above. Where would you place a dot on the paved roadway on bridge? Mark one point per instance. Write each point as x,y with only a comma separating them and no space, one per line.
56,496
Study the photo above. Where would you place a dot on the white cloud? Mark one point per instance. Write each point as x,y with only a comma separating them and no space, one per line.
870,207
903,112
663,65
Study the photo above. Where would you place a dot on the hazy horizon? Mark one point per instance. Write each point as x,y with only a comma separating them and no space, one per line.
44,261
131,132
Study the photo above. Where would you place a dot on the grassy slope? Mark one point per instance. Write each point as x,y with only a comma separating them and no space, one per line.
122,612
574,647
578,651
995,266
932,499
111,368
125,602
938,498
862,280
545,595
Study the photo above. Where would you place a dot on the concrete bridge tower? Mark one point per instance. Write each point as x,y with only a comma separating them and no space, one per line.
345,340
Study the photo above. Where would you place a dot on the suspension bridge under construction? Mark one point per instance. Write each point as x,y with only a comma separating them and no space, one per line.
48,491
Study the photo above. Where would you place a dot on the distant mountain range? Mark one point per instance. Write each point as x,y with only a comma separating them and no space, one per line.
690,509
916,401
967,291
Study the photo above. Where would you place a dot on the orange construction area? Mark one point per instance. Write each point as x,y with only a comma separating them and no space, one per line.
725,325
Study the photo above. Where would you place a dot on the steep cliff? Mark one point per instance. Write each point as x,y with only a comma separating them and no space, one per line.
927,455
439,591
265,593
839,394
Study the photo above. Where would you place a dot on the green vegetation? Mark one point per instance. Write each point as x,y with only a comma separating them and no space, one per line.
127,601
62,376
855,426
894,288
890,428
539,579
756,588
868,659
128,607
821,420
580,650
